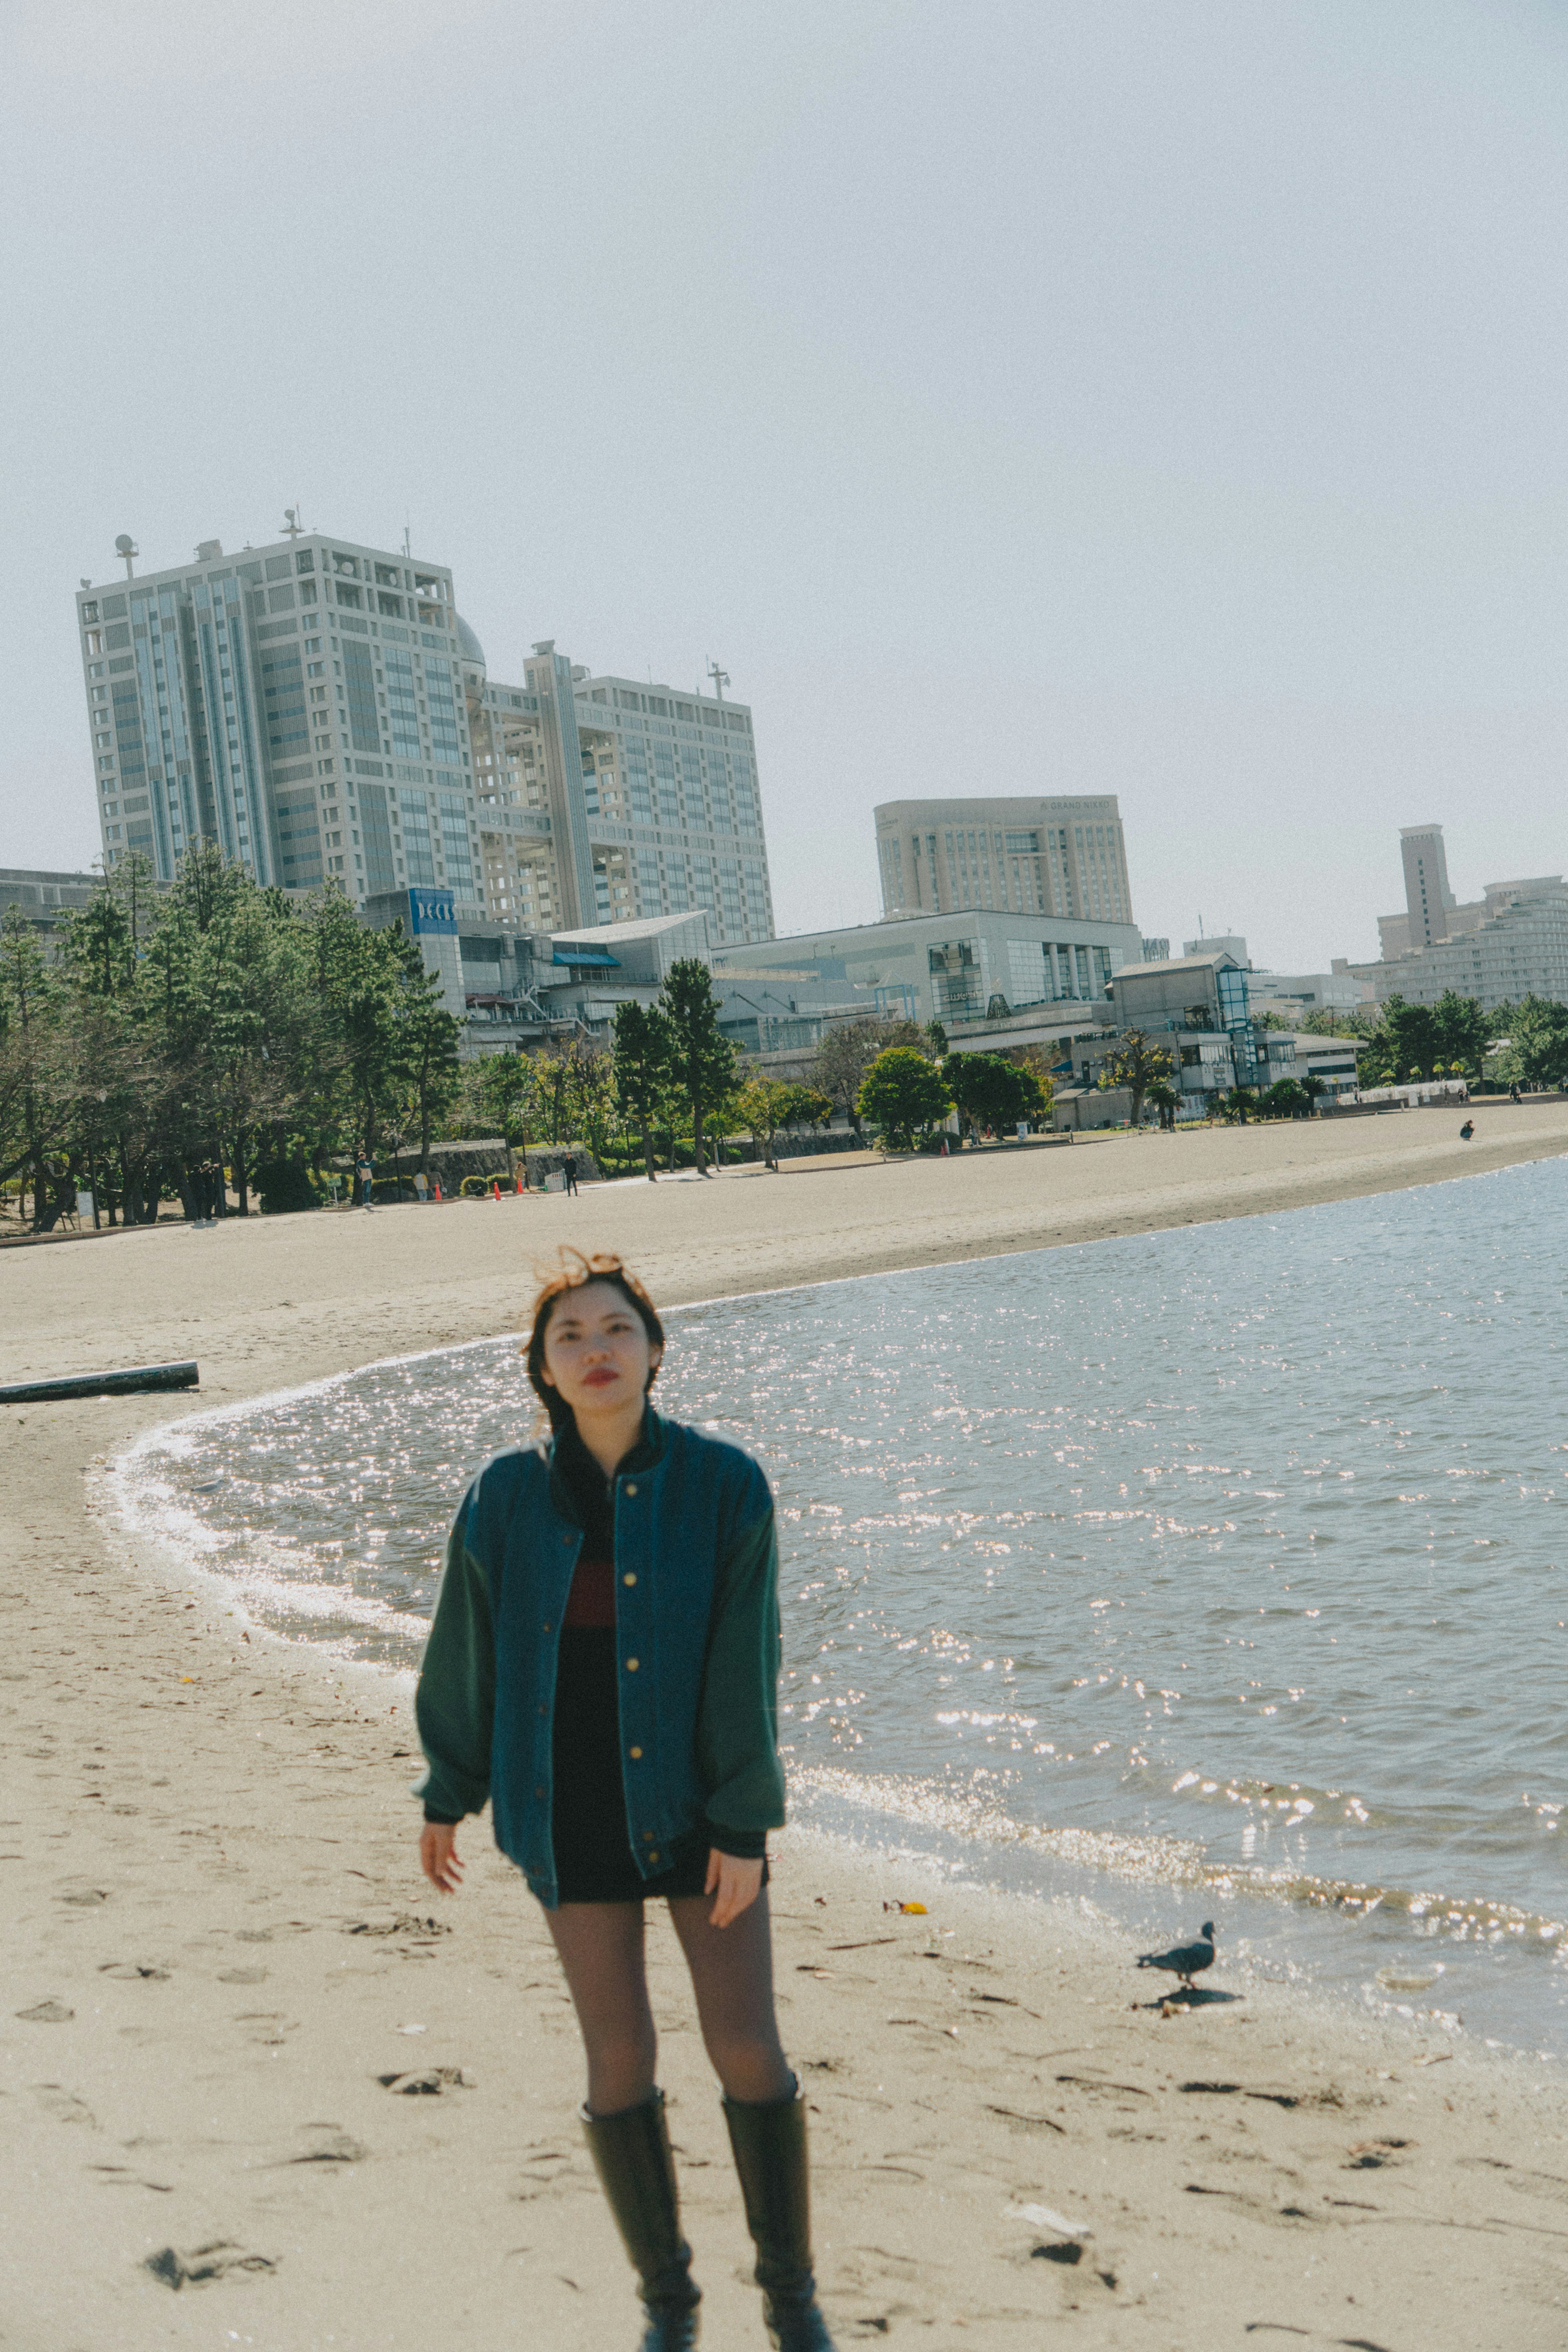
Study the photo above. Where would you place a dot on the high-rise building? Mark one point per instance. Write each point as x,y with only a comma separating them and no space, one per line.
321,711
301,705
1059,857
1511,942
603,799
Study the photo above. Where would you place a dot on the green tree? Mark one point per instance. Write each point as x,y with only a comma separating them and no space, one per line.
703,1059
905,1094
1407,1039
805,1106
1313,1089
31,1026
762,1105
645,1063
358,976
989,1090
846,1053
1283,1100
501,1092
1165,1100
1136,1064
1239,1103
1362,1022
1462,1031
1537,1052
429,1037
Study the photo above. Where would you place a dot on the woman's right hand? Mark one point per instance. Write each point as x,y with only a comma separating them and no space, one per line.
438,1856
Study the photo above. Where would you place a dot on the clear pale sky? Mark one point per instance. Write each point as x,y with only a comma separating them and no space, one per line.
1159,399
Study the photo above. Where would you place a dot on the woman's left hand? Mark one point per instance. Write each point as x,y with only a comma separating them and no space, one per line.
736,1883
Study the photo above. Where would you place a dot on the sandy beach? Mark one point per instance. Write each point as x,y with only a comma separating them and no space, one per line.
259,2085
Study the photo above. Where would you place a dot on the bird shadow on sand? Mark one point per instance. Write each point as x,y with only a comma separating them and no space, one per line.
1194,1997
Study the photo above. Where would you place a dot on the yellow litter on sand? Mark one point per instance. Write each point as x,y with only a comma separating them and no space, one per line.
916,1910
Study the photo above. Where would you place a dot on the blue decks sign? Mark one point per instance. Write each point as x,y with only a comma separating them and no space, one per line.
432,912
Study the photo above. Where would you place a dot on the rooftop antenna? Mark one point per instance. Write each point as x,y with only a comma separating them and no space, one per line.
126,546
291,521
407,523
720,678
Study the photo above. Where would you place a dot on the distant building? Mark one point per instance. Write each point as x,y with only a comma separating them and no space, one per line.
1062,857
1156,950
1197,1007
301,705
605,800
1290,994
1511,942
1221,943
321,711
957,967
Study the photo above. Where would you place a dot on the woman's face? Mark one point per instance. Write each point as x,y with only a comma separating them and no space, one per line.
596,1350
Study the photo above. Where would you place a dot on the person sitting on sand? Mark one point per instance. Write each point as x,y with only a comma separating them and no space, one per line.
627,1547
1467,1129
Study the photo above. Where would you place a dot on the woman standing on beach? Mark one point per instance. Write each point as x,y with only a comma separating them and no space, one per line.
603,1666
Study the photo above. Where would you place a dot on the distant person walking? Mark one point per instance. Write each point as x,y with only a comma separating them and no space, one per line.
1513,1091
366,1174
569,1169
602,1668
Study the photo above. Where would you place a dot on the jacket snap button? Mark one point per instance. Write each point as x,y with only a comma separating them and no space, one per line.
648,1837
653,1857
635,1754
540,1789
631,1486
628,1580
630,1666
547,1627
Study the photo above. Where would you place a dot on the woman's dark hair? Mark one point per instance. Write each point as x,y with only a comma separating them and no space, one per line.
575,1272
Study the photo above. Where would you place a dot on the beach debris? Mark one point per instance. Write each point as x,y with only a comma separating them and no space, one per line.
334,2145
910,1910
1041,2217
407,1923
429,2084
90,1385
1065,2249
215,2260
1184,1961
46,2012
410,2029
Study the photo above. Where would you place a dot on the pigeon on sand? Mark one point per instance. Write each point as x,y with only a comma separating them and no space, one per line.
1186,1960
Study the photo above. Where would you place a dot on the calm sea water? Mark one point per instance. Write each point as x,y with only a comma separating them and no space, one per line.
1216,1570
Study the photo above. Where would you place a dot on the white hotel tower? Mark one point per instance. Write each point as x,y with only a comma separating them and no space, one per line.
321,710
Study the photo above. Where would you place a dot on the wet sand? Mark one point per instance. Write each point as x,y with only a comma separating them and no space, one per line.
218,1935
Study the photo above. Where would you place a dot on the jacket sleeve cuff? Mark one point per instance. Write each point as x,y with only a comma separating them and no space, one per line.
742,1845
446,1820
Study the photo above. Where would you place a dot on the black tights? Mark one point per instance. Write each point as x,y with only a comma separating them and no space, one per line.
601,1948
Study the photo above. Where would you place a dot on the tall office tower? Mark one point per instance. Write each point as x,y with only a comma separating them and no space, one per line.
1428,896
1057,856
605,801
302,705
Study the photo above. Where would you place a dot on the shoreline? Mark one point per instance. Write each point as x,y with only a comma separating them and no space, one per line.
215,1877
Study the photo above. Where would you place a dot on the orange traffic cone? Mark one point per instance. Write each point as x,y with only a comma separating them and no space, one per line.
438,1188
494,1188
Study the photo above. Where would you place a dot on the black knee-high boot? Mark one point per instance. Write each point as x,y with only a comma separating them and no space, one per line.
769,2146
636,2168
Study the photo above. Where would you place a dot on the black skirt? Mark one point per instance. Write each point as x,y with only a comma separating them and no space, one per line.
593,1858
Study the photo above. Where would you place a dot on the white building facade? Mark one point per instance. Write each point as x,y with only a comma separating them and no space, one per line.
321,711
300,705
958,966
1062,857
